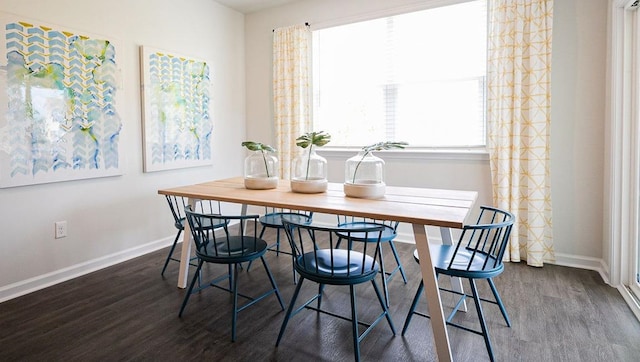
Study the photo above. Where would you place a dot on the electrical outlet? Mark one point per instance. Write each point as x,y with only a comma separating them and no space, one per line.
61,229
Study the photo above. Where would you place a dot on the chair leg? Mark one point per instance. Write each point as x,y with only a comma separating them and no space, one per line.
193,282
293,268
320,290
264,228
384,307
412,310
277,252
483,325
499,302
273,282
385,289
173,247
277,241
234,317
354,323
398,262
289,310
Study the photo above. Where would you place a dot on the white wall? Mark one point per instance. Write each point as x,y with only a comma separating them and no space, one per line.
578,126
114,218
577,130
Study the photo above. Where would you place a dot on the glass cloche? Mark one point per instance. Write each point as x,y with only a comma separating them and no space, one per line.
364,176
364,172
309,170
260,167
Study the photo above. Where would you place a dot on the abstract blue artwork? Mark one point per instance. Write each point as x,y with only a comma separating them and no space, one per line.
57,105
177,125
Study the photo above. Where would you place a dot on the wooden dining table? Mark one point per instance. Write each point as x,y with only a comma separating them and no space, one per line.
420,207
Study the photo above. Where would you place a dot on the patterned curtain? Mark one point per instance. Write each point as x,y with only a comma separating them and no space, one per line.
519,72
291,90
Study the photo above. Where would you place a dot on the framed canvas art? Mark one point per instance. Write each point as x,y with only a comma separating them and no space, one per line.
58,98
177,126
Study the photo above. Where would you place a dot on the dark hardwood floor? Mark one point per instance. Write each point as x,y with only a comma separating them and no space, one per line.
128,312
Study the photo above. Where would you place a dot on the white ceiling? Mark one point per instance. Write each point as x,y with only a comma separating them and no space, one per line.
249,6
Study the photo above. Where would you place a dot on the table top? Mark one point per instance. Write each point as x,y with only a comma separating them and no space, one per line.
435,207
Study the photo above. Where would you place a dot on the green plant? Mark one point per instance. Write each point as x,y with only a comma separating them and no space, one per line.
377,147
311,139
257,146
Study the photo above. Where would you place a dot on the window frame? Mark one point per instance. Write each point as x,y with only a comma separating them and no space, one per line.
479,152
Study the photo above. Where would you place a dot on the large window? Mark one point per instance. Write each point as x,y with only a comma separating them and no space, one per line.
417,77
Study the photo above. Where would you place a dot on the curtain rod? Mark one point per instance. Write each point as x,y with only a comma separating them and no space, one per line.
305,24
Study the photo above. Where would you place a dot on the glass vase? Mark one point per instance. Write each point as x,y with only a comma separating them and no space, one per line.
261,171
364,176
309,172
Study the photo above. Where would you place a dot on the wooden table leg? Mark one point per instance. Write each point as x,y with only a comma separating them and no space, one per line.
456,283
185,254
433,294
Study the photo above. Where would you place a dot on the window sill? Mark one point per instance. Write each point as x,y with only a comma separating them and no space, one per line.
466,154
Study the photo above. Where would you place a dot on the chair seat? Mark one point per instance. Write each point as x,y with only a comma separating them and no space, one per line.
441,255
387,234
235,252
317,266
274,220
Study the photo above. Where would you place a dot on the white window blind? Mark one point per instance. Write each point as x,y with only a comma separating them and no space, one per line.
416,77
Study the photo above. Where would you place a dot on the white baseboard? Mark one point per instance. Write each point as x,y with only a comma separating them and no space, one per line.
42,281
584,262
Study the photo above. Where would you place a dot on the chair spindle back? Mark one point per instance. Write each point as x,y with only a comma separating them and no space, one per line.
224,244
317,249
482,245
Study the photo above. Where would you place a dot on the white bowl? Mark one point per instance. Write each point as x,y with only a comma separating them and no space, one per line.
311,186
365,191
261,183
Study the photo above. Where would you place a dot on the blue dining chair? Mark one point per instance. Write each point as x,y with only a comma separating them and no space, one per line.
318,258
477,255
230,249
389,233
272,218
176,206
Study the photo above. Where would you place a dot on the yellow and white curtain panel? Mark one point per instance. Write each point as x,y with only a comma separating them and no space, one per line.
519,72
291,90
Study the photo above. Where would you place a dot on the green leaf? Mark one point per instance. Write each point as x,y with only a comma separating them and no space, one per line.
317,139
384,146
257,146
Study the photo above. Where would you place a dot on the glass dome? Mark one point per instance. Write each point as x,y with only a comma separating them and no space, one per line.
364,168
309,166
309,172
364,176
261,171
